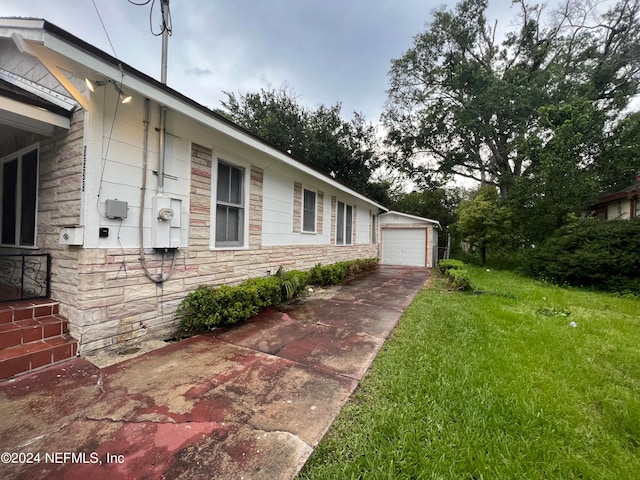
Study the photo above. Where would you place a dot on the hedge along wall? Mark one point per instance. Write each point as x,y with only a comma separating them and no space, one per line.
208,307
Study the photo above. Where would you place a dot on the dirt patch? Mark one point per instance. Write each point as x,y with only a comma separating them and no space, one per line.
105,358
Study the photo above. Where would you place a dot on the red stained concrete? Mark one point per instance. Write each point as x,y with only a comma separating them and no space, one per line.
248,401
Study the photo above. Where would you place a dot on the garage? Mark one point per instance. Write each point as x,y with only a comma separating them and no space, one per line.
408,240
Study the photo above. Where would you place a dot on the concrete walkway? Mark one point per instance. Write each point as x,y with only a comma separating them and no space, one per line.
248,401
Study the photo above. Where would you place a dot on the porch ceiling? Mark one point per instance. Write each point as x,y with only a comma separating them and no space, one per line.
22,110
16,117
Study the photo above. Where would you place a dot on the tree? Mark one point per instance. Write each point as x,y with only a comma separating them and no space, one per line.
464,103
620,161
437,203
346,150
483,221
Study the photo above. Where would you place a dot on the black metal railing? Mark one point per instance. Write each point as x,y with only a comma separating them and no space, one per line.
25,276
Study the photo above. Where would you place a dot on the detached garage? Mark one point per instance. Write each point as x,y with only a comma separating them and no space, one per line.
409,240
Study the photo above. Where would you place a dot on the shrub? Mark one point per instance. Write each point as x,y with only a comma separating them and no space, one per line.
206,307
591,253
327,275
450,264
335,273
456,275
292,283
268,289
458,279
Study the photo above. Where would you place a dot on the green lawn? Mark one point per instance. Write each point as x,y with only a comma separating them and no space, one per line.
497,385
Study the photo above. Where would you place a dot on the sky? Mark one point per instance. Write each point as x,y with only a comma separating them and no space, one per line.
323,51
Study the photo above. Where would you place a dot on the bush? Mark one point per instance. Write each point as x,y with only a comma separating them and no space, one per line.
458,279
335,273
327,275
448,264
268,289
206,307
591,253
456,275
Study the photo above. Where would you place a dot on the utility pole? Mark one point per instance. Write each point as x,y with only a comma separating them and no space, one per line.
163,79
165,39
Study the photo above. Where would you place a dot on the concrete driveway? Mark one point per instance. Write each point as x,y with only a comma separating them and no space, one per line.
248,401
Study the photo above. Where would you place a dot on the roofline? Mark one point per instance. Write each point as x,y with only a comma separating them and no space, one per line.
414,217
127,69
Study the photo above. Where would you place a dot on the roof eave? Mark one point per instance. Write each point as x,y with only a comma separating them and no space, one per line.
90,59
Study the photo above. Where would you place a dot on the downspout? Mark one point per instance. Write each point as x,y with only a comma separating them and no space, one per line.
161,160
158,279
145,154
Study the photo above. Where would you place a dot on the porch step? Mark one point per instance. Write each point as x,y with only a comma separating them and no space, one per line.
32,335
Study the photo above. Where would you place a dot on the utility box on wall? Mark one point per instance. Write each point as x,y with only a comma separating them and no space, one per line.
166,224
72,236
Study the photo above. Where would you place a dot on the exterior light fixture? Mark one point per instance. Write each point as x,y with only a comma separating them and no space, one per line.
93,84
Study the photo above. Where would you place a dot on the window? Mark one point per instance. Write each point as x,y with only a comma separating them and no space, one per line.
308,211
229,206
19,198
374,231
344,224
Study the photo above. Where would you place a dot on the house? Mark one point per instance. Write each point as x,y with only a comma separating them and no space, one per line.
123,208
623,204
408,240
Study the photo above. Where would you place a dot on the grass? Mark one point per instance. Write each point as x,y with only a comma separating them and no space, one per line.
497,385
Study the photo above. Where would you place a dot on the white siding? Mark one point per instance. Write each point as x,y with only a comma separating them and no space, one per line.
114,171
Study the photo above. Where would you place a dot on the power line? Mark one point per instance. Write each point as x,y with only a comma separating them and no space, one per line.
166,21
104,28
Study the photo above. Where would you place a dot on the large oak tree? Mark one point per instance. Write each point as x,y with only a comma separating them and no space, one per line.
536,105
346,150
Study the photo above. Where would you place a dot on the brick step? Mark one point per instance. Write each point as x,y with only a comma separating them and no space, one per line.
33,355
29,330
27,309
32,335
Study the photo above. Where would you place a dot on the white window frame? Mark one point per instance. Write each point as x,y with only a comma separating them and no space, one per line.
19,155
306,212
374,229
344,232
241,207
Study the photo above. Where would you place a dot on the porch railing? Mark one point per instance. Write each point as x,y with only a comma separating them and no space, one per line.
25,276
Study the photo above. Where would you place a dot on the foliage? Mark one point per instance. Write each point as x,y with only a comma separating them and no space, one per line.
484,221
456,275
435,202
269,290
620,161
591,253
207,307
535,114
332,274
448,264
292,283
345,150
489,387
328,274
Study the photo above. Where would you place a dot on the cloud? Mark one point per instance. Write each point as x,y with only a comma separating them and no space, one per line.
198,71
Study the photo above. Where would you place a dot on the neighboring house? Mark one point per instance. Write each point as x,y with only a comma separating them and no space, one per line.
133,219
408,240
621,204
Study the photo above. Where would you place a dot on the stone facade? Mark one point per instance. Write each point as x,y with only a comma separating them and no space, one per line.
111,302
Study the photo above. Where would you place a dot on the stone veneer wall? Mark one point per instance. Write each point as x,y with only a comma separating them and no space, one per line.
117,304
59,200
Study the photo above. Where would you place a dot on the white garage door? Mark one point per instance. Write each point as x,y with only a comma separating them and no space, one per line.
404,246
